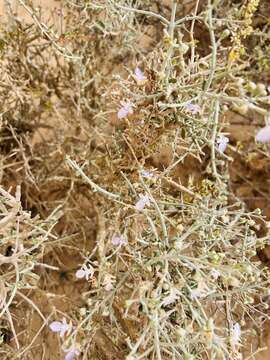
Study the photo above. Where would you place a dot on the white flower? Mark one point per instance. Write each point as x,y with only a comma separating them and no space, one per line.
142,202
139,75
236,334
263,135
201,291
171,298
125,110
198,294
222,143
193,108
215,274
119,240
108,282
85,272
61,327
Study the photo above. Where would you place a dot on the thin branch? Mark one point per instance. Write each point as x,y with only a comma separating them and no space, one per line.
95,187
144,12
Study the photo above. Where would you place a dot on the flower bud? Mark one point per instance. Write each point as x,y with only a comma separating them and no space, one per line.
183,48
225,34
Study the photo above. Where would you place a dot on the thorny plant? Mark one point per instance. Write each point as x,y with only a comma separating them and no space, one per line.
172,271
23,241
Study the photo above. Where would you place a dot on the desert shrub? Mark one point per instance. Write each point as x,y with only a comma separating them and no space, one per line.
113,124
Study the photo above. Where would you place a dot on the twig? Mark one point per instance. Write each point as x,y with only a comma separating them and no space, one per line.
144,12
45,30
214,47
213,140
95,187
192,55
182,188
166,67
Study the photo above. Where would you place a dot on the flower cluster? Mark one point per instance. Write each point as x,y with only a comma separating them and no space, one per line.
63,328
127,107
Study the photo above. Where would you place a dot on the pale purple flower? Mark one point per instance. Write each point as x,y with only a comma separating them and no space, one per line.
193,108
119,240
85,272
125,110
222,143
142,202
236,334
147,174
263,135
61,327
71,353
140,77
